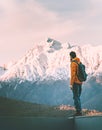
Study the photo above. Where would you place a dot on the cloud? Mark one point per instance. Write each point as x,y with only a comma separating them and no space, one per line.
27,17
24,22
66,5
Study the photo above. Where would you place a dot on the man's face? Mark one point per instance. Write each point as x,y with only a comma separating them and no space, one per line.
70,58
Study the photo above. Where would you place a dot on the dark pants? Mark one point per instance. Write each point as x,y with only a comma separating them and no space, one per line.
77,88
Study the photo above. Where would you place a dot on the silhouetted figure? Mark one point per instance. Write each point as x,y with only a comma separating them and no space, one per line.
75,83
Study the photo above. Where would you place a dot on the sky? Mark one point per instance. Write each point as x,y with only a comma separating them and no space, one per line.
26,22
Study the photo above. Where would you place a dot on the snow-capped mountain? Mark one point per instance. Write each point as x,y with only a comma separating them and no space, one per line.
51,59
46,59
42,74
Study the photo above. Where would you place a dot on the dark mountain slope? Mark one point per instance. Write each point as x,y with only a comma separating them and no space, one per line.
10,107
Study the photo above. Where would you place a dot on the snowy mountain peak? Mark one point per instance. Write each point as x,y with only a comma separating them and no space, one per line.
42,75
50,59
54,44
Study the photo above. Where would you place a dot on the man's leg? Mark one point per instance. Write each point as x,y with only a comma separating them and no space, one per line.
76,97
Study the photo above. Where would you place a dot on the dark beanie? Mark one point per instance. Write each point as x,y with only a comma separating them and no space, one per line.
72,54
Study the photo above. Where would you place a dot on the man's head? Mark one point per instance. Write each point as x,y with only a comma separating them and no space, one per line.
72,54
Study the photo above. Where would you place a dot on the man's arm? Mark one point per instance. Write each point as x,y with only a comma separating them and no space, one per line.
73,73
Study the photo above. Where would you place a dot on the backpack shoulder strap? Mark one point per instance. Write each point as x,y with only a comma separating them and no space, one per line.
75,61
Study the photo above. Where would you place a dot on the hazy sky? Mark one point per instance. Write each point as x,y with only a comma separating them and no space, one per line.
25,22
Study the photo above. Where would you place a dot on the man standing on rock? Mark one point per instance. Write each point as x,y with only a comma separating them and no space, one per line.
75,83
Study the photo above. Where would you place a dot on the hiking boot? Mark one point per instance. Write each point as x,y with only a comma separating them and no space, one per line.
78,114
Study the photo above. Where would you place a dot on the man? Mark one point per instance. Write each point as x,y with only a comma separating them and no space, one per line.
75,84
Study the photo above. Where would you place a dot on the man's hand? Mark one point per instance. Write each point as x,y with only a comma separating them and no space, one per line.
71,87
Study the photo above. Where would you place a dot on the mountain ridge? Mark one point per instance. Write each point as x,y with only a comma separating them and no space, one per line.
51,59
42,75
